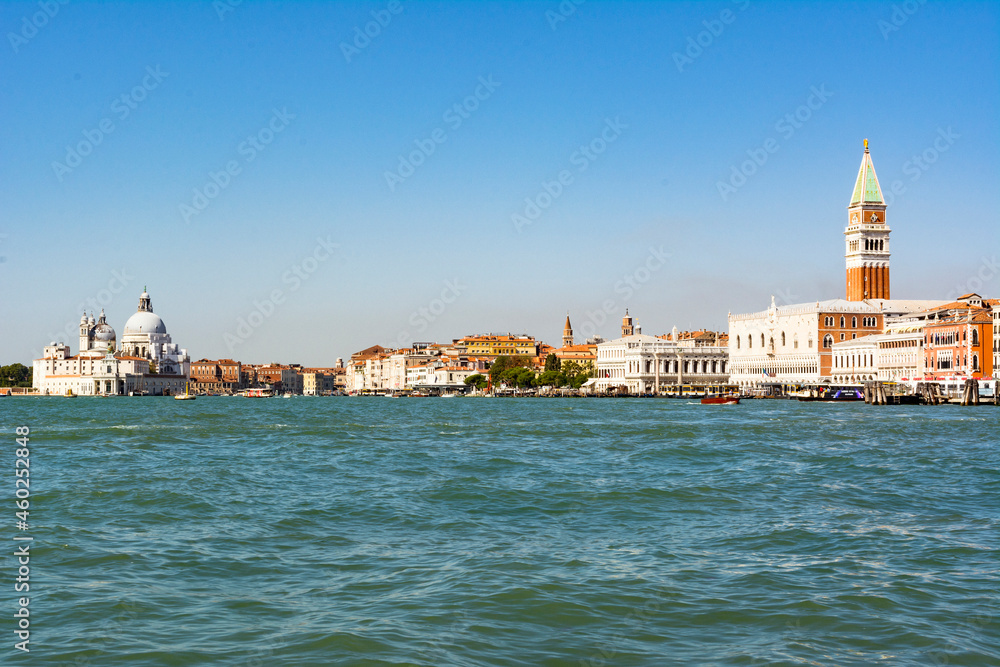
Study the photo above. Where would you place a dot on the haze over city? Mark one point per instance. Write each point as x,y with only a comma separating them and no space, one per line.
464,168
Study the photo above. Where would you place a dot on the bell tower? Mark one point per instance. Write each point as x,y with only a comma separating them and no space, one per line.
867,237
567,333
628,328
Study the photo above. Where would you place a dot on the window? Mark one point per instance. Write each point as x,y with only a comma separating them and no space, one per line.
782,339
737,342
843,321
828,341
854,323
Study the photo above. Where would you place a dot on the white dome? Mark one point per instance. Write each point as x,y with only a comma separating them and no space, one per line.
145,322
104,332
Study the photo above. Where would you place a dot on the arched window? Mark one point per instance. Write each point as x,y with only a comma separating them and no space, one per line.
843,321
762,340
737,342
749,341
975,336
854,323
827,341
782,339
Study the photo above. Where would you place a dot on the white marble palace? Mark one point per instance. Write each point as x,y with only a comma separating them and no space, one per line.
650,364
147,362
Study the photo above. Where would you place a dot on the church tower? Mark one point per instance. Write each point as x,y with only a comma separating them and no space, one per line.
627,327
867,237
567,333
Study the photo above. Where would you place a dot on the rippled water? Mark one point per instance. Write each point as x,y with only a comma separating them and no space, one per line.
368,531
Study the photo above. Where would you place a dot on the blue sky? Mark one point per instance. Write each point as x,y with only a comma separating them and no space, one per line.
266,150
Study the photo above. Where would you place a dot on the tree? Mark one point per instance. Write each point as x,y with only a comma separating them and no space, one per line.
551,379
479,380
15,375
518,376
552,363
503,363
576,373
525,377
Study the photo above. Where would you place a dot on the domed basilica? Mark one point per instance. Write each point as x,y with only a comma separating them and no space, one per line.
149,362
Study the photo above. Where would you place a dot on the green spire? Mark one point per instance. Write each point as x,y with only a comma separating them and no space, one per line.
866,188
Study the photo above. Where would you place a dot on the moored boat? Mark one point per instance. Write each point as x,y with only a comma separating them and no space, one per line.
833,393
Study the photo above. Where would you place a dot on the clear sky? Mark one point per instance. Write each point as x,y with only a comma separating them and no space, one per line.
478,167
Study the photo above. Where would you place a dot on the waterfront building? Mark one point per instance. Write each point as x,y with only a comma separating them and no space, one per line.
855,360
945,340
900,353
146,336
359,370
495,345
650,364
959,338
92,372
148,361
281,378
793,344
216,376
996,338
578,353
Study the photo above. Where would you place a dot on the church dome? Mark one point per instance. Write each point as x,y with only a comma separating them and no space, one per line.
145,322
104,333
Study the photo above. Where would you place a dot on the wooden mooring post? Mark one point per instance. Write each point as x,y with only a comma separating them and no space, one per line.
970,392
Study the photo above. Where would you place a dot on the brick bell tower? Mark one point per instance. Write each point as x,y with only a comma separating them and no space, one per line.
867,237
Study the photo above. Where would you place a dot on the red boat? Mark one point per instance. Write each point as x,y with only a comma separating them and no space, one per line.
720,400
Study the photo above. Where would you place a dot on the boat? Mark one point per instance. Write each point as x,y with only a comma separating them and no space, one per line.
187,395
833,393
720,400
256,393
69,394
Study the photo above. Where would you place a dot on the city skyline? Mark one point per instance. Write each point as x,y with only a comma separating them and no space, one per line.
478,168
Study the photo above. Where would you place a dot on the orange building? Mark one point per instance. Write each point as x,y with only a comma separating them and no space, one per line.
223,375
958,338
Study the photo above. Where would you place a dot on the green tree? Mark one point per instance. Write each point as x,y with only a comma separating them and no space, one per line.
551,378
503,363
15,375
552,363
478,380
525,377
